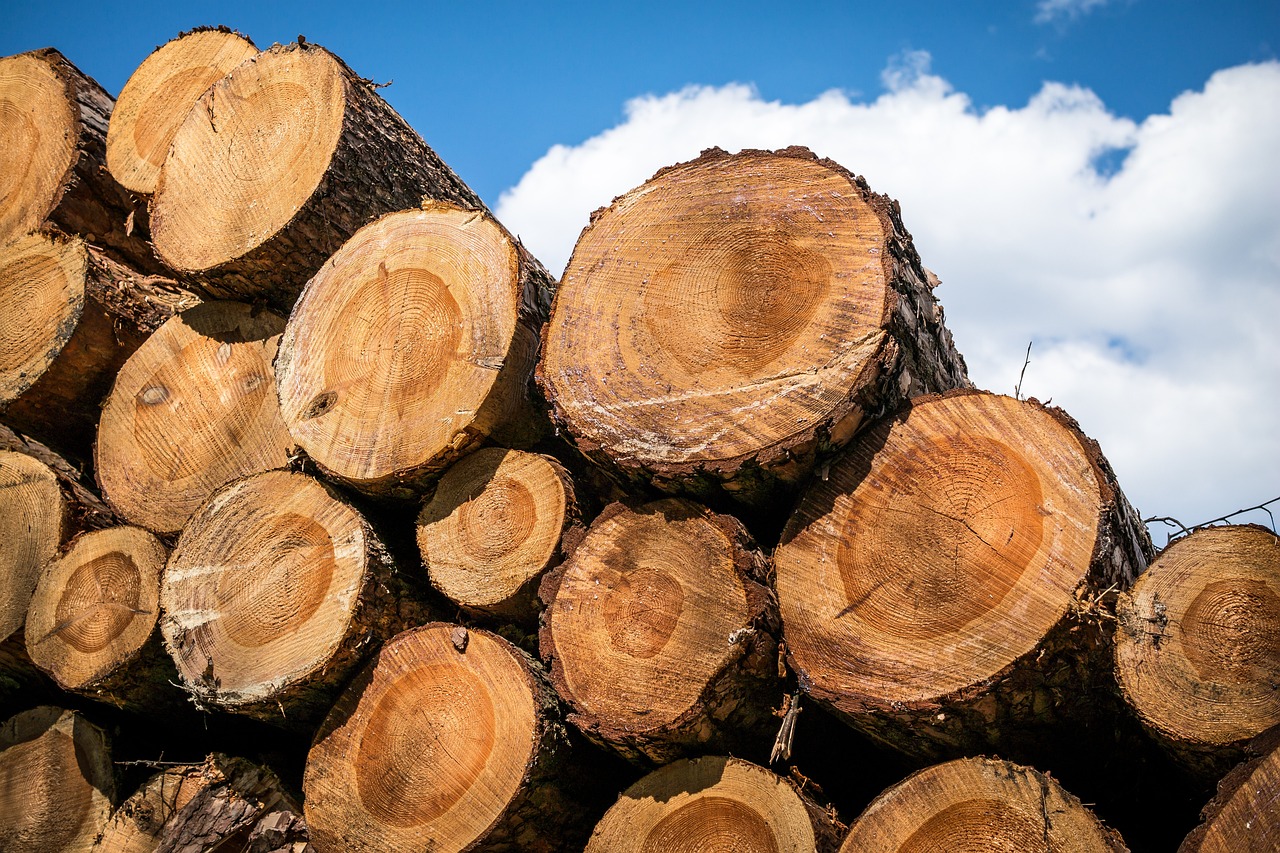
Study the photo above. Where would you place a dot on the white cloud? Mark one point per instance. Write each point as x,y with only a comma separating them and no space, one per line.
1142,258
1055,10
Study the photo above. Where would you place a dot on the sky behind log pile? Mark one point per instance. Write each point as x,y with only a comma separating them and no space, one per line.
1098,177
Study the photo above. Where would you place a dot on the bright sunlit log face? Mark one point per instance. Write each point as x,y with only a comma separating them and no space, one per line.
41,300
37,142
723,307
32,513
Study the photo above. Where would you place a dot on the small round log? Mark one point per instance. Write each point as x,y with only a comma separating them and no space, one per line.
945,587
493,527
716,805
1245,813
92,621
414,345
660,633
56,782
1198,648
158,95
449,740
980,804
193,409
278,164
274,594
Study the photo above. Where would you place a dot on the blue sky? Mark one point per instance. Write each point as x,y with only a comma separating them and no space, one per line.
1098,177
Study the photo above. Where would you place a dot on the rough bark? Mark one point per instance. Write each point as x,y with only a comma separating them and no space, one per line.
947,588
1243,817
158,95
980,804
224,803
255,222
71,317
450,740
276,591
92,621
715,803
191,410
1197,651
414,345
660,632
56,783
494,527
727,325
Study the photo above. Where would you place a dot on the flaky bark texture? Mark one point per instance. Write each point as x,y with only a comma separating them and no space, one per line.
224,803
980,804
85,199
56,781
660,632
714,803
100,312
945,625
1197,649
451,740
376,164
275,593
1244,815
729,324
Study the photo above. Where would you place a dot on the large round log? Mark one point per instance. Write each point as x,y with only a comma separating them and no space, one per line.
69,318
53,127
279,163
56,781
736,318
274,594
494,526
660,634
450,740
92,621
980,804
1198,649
945,587
158,95
193,409
715,805
33,521
412,346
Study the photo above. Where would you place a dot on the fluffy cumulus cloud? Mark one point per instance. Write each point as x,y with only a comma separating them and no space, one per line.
1141,258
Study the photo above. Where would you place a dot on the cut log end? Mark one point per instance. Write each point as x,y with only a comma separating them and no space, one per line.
408,348
493,526
1243,815
980,804
56,782
193,409
33,517
958,535
429,748
42,294
262,590
1198,648
38,133
713,804
96,606
158,96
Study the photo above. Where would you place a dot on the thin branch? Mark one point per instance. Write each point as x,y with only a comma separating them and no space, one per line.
1017,389
1184,530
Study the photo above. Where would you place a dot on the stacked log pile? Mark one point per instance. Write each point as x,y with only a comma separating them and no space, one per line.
360,531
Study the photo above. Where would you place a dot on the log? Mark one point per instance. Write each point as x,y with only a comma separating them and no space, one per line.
276,591
191,410
660,633
980,804
715,803
224,803
946,588
69,318
735,319
1197,652
494,527
414,345
33,521
1244,815
92,621
56,783
449,740
158,95
53,159
280,163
